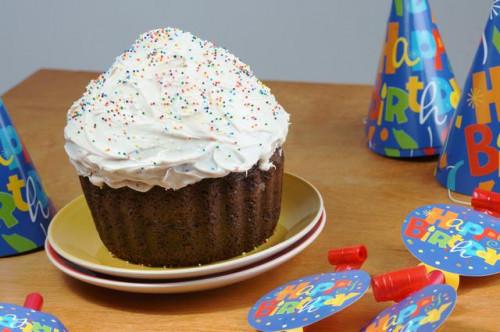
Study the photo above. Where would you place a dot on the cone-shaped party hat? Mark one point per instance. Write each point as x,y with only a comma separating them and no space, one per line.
470,158
416,93
25,209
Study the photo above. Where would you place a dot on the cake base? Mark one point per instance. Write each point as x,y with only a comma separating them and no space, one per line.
209,221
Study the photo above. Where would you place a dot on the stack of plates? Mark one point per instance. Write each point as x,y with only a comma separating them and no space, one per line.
74,247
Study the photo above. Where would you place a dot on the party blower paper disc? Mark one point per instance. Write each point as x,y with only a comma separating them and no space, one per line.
308,300
14,318
422,311
454,239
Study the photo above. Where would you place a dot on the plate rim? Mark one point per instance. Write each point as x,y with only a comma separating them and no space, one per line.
84,270
199,284
191,271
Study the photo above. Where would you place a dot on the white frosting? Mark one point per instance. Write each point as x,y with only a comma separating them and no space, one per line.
171,111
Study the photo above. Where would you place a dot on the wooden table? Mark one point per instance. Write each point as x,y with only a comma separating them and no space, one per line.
366,198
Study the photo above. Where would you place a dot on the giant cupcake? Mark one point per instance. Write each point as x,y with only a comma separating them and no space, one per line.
178,147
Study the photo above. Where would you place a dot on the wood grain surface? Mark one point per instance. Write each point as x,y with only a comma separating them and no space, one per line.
366,198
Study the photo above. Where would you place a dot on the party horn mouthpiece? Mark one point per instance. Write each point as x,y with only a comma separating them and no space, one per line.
397,285
486,201
348,258
33,301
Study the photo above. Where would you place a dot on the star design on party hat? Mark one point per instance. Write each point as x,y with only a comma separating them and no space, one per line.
495,9
475,97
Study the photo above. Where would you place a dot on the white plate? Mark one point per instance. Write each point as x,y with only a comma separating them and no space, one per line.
72,235
185,285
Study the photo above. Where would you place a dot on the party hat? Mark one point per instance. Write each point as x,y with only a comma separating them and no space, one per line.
415,93
25,209
470,158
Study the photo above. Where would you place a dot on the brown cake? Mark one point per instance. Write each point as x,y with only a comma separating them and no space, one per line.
210,220
179,151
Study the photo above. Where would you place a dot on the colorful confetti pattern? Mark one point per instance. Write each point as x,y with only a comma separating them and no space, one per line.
454,239
471,155
307,300
25,209
172,110
423,311
415,93
14,318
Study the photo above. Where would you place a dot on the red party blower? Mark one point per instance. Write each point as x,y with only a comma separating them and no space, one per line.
348,258
486,201
397,285
33,301
14,318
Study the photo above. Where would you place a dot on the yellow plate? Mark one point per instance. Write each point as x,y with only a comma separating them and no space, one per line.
72,234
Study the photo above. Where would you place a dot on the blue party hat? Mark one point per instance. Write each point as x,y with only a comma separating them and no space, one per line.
25,209
415,93
470,158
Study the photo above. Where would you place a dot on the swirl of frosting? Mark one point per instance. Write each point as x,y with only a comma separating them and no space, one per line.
171,111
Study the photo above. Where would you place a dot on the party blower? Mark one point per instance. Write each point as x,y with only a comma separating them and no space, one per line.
308,300
471,155
423,302
25,209
28,318
458,240
450,241
305,301
415,93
